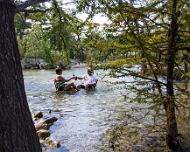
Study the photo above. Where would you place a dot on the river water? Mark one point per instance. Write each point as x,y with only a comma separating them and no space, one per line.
83,117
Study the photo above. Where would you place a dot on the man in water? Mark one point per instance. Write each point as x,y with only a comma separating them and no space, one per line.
90,80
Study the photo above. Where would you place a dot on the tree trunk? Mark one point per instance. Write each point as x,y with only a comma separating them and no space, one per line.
172,130
17,132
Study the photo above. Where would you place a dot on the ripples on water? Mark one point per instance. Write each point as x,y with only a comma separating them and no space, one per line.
83,117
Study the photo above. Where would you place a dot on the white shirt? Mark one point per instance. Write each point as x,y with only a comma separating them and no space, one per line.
89,79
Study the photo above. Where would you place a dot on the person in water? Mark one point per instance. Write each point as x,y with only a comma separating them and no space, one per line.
90,80
60,82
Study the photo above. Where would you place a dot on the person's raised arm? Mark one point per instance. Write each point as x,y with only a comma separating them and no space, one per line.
80,78
69,79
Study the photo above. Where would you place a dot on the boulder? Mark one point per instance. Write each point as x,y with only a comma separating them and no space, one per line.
42,125
37,115
46,124
51,120
52,144
43,134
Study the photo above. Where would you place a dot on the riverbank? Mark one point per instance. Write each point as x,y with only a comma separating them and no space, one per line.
37,63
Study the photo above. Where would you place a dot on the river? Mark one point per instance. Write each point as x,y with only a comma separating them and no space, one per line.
83,117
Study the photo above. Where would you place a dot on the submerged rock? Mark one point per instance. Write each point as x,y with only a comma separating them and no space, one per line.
137,148
150,139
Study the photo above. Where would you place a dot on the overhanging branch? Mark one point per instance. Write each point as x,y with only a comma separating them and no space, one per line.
34,11
21,7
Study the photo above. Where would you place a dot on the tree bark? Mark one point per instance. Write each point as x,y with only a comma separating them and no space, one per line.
172,130
17,131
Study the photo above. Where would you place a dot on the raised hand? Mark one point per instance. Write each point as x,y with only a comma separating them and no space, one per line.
74,77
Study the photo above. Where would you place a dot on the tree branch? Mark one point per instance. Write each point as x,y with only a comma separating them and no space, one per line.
24,5
34,11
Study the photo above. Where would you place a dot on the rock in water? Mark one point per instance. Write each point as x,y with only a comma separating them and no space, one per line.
50,143
51,120
46,124
43,134
42,125
38,115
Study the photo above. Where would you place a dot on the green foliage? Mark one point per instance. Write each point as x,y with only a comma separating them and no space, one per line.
50,35
137,35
